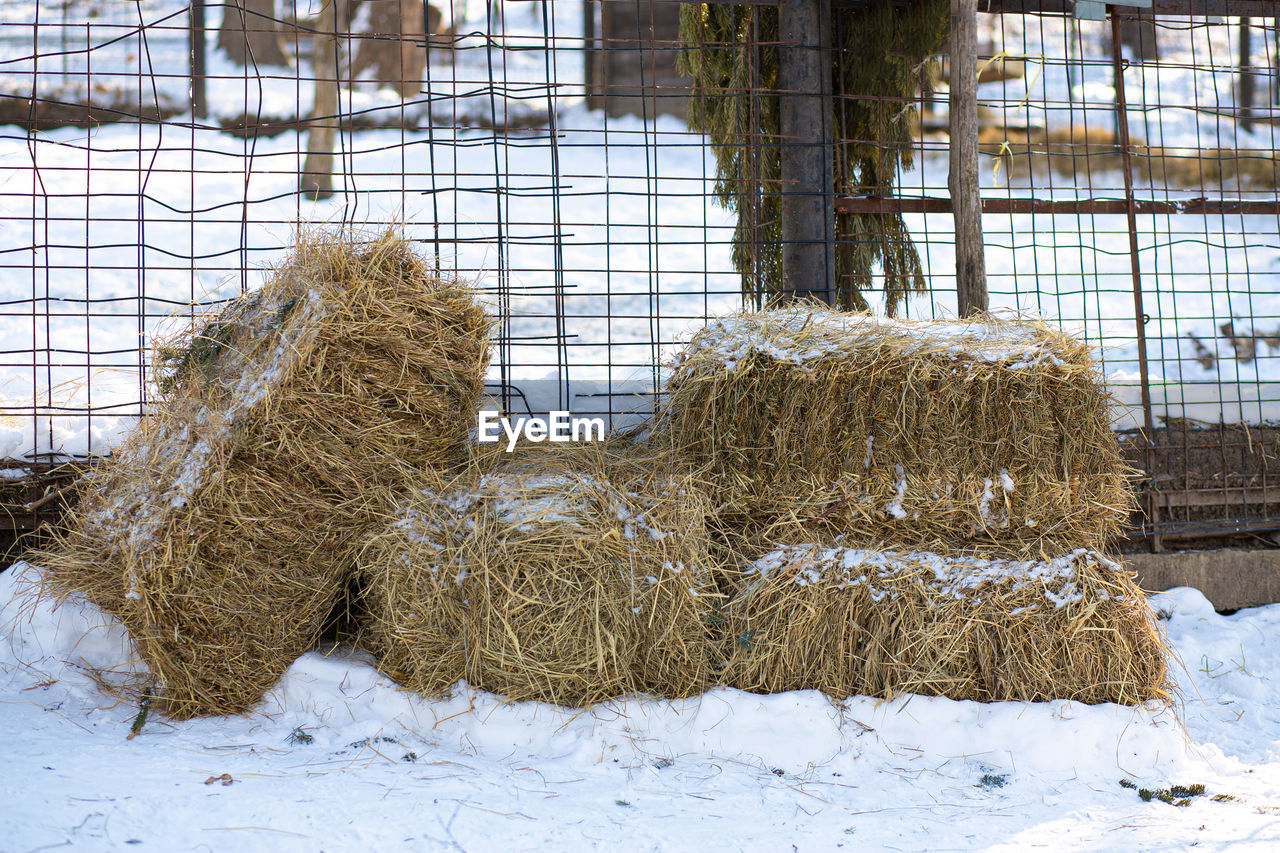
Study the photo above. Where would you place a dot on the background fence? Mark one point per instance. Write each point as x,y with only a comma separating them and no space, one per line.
541,150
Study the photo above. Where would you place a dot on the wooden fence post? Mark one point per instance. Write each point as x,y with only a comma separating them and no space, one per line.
962,181
807,138
197,43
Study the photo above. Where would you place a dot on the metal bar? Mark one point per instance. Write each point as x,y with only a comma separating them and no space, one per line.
1200,530
1085,206
805,120
1189,8
1135,264
1225,496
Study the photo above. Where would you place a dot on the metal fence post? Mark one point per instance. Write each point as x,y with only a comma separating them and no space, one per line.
1135,265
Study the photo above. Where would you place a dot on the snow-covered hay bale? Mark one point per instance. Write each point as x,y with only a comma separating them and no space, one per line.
223,531
566,577
879,623
986,434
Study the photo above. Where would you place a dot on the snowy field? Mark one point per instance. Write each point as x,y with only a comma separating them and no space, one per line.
337,758
163,220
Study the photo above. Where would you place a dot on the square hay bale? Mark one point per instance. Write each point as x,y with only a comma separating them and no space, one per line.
990,434
223,531
569,577
879,623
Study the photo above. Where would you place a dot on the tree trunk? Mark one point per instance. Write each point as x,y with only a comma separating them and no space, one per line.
250,34
1275,69
1248,82
396,51
457,17
1138,33
317,170
962,181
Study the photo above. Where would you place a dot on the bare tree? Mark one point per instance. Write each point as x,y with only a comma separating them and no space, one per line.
1247,84
1138,33
395,48
250,33
316,181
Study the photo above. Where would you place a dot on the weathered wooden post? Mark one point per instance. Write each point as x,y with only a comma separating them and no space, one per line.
962,181
806,137
317,170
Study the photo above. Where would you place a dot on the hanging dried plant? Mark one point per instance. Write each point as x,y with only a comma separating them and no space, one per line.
880,50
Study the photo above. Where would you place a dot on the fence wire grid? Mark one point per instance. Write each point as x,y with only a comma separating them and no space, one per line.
157,156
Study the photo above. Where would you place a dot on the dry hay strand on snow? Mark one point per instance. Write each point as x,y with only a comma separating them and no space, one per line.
881,623
990,434
222,532
566,576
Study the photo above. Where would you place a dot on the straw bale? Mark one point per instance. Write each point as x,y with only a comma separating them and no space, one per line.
222,532
567,577
988,434
879,623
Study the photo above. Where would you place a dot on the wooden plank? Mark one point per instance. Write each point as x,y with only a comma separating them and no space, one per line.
21,523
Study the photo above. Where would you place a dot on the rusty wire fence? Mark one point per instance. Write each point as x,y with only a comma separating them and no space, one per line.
155,156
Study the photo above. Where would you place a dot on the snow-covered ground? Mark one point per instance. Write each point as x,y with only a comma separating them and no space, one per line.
338,758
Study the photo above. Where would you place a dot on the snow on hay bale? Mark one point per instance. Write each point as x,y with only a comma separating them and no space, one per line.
221,532
569,577
988,434
879,623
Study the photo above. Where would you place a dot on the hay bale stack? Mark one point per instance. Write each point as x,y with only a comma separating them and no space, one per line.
985,434
566,577
850,621
222,532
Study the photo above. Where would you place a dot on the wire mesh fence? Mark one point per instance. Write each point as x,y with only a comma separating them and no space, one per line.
155,156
